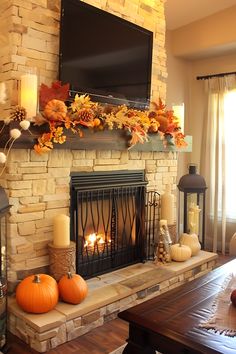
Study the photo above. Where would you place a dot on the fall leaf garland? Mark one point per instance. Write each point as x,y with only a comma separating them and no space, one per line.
60,114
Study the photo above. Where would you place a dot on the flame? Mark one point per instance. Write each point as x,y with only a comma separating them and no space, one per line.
92,239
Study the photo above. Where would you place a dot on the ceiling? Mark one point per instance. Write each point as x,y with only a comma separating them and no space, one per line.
182,12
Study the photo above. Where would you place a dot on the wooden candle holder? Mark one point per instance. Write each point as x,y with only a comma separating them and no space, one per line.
61,260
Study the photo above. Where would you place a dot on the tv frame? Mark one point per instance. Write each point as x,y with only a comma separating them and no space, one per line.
107,98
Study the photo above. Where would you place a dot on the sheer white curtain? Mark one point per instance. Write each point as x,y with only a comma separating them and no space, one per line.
218,160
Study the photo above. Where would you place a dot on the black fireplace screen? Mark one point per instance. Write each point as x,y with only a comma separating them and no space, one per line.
108,225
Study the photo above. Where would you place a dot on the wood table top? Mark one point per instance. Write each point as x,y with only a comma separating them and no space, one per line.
172,320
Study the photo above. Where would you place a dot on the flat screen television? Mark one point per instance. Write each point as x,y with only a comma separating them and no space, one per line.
103,54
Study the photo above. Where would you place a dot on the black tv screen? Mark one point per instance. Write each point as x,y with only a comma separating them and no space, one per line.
103,54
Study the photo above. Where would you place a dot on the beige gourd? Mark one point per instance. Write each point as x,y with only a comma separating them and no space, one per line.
192,241
180,253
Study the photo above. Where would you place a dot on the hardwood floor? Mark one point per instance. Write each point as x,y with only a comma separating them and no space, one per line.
101,340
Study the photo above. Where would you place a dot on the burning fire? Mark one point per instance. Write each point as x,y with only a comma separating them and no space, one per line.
92,239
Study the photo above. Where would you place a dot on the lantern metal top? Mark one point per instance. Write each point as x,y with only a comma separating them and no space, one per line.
4,203
192,182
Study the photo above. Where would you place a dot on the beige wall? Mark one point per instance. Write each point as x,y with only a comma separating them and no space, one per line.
178,92
206,36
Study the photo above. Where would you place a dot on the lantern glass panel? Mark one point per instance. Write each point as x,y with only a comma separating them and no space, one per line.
191,214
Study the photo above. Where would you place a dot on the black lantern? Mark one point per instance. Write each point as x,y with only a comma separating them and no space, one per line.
4,207
191,212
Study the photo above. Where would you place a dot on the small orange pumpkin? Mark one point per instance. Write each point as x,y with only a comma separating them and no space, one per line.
55,110
72,288
37,293
96,122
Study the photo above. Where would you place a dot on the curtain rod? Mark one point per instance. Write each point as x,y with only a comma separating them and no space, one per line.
215,75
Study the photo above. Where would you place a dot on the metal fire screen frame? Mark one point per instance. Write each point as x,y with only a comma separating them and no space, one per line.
129,226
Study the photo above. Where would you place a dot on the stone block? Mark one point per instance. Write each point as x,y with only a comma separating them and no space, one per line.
39,346
110,167
59,172
20,193
32,263
32,208
70,326
29,200
59,158
188,274
90,317
85,329
46,335
78,154
55,204
26,248
26,217
39,187
60,338
77,322
17,155
106,162
106,154
164,285
53,212
114,307
55,197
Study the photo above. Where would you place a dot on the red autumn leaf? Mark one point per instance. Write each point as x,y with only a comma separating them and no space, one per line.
56,91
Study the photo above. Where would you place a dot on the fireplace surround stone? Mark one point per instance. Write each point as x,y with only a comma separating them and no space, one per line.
38,189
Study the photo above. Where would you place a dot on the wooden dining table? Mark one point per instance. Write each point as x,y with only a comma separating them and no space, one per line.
171,322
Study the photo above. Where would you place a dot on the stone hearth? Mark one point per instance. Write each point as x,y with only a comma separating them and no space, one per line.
108,295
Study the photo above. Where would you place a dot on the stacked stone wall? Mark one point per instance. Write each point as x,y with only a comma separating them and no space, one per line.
38,189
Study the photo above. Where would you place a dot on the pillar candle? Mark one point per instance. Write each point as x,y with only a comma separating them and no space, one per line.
167,206
163,222
29,94
61,231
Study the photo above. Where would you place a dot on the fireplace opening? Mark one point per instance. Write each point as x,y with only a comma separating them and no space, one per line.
108,224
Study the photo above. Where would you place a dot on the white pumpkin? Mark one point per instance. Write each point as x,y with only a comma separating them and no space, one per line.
192,241
180,253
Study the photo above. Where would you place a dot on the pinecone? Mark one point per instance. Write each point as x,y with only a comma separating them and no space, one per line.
85,115
18,114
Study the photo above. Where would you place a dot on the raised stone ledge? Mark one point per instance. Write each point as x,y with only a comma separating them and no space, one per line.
100,140
108,295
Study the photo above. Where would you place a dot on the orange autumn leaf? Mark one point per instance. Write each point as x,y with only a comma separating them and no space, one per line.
56,91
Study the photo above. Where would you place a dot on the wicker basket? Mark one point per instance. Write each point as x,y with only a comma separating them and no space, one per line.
61,260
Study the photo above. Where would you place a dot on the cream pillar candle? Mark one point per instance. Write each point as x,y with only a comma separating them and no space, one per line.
61,231
29,94
167,206
163,222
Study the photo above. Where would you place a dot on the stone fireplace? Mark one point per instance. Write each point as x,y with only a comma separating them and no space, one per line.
38,186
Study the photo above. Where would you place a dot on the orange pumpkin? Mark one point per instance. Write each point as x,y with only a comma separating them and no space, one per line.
55,110
37,293
96,122
72,288
163,123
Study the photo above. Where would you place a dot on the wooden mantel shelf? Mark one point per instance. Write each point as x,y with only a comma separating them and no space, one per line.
100,140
